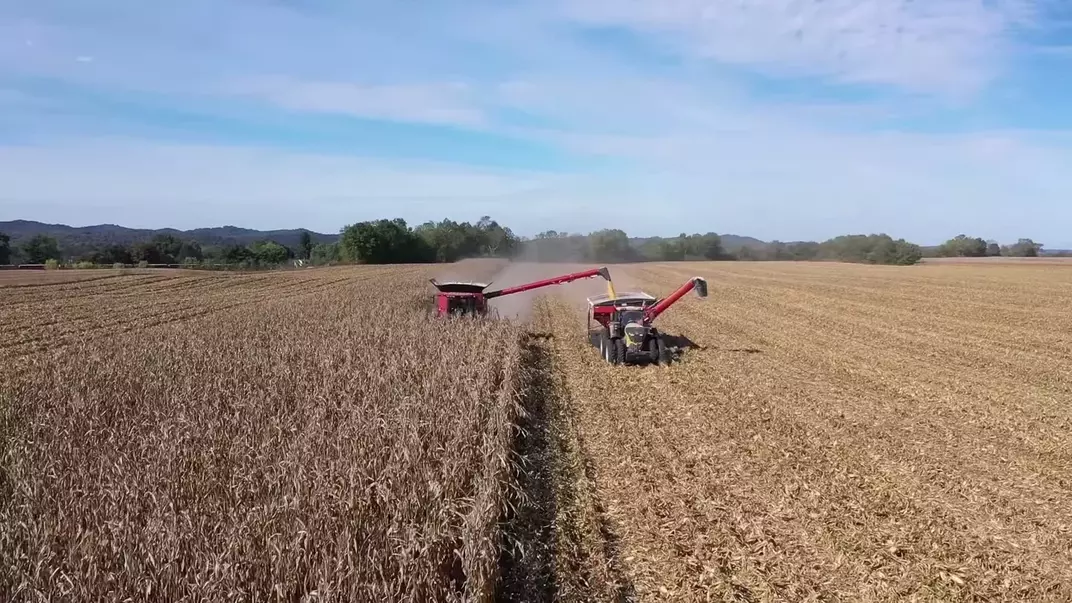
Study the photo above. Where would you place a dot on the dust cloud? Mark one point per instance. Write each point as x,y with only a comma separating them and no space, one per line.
480,270
519,305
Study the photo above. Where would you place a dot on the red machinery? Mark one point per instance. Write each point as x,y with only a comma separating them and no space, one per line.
455,297
625,334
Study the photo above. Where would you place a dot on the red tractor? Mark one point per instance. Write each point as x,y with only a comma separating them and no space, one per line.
625,334
468,298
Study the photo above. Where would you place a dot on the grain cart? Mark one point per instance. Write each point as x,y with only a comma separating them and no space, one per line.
469,298
624,334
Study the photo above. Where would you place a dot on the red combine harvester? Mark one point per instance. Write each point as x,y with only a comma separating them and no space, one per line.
462,298
625,334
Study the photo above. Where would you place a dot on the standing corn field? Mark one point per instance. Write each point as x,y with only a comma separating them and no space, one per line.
307,443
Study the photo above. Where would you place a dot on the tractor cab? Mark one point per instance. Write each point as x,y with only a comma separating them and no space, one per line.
627,316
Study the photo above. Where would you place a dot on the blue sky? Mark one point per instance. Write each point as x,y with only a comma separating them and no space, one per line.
780,119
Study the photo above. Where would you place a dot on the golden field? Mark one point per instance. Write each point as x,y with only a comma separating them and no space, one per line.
837,432
288,436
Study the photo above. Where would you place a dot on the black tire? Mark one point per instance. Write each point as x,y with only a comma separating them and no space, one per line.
661,353
619,351
612,350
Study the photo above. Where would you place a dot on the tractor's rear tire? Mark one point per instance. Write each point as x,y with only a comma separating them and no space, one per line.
619,351
662,354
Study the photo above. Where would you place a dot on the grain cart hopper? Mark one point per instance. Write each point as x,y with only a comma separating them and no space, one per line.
462,298
625,334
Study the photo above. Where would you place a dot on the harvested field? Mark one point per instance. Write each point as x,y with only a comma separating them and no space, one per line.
31,278
837,432
850,433
998,260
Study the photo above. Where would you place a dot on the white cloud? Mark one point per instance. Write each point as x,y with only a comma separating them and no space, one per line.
446,103
949,46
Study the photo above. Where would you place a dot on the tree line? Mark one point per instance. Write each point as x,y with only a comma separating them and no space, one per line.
160,249
372,242
965,246
394,241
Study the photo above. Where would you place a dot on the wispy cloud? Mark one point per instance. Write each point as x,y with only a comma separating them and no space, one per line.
937,45
451,103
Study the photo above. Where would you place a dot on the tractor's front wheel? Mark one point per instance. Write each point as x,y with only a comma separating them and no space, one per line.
613,356
619,351
662,354
606,347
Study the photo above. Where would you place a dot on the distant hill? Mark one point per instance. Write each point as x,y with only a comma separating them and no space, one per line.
732,242
73,240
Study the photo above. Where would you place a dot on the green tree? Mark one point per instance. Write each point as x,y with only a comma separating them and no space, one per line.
993,248
907,254
963,246
41,248
305,245
235,254
747,253
498,241
383,242
804,250
269,253
188,250
325,253
671,250
554,246
1025,248
610,245
779,251
169,248
869,249
710,247
148,252
5,248
450,241
112,254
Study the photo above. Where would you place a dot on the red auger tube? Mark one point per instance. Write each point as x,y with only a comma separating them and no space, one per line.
558,280
696,282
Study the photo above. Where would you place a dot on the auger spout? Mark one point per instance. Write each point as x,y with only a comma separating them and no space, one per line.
697,282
